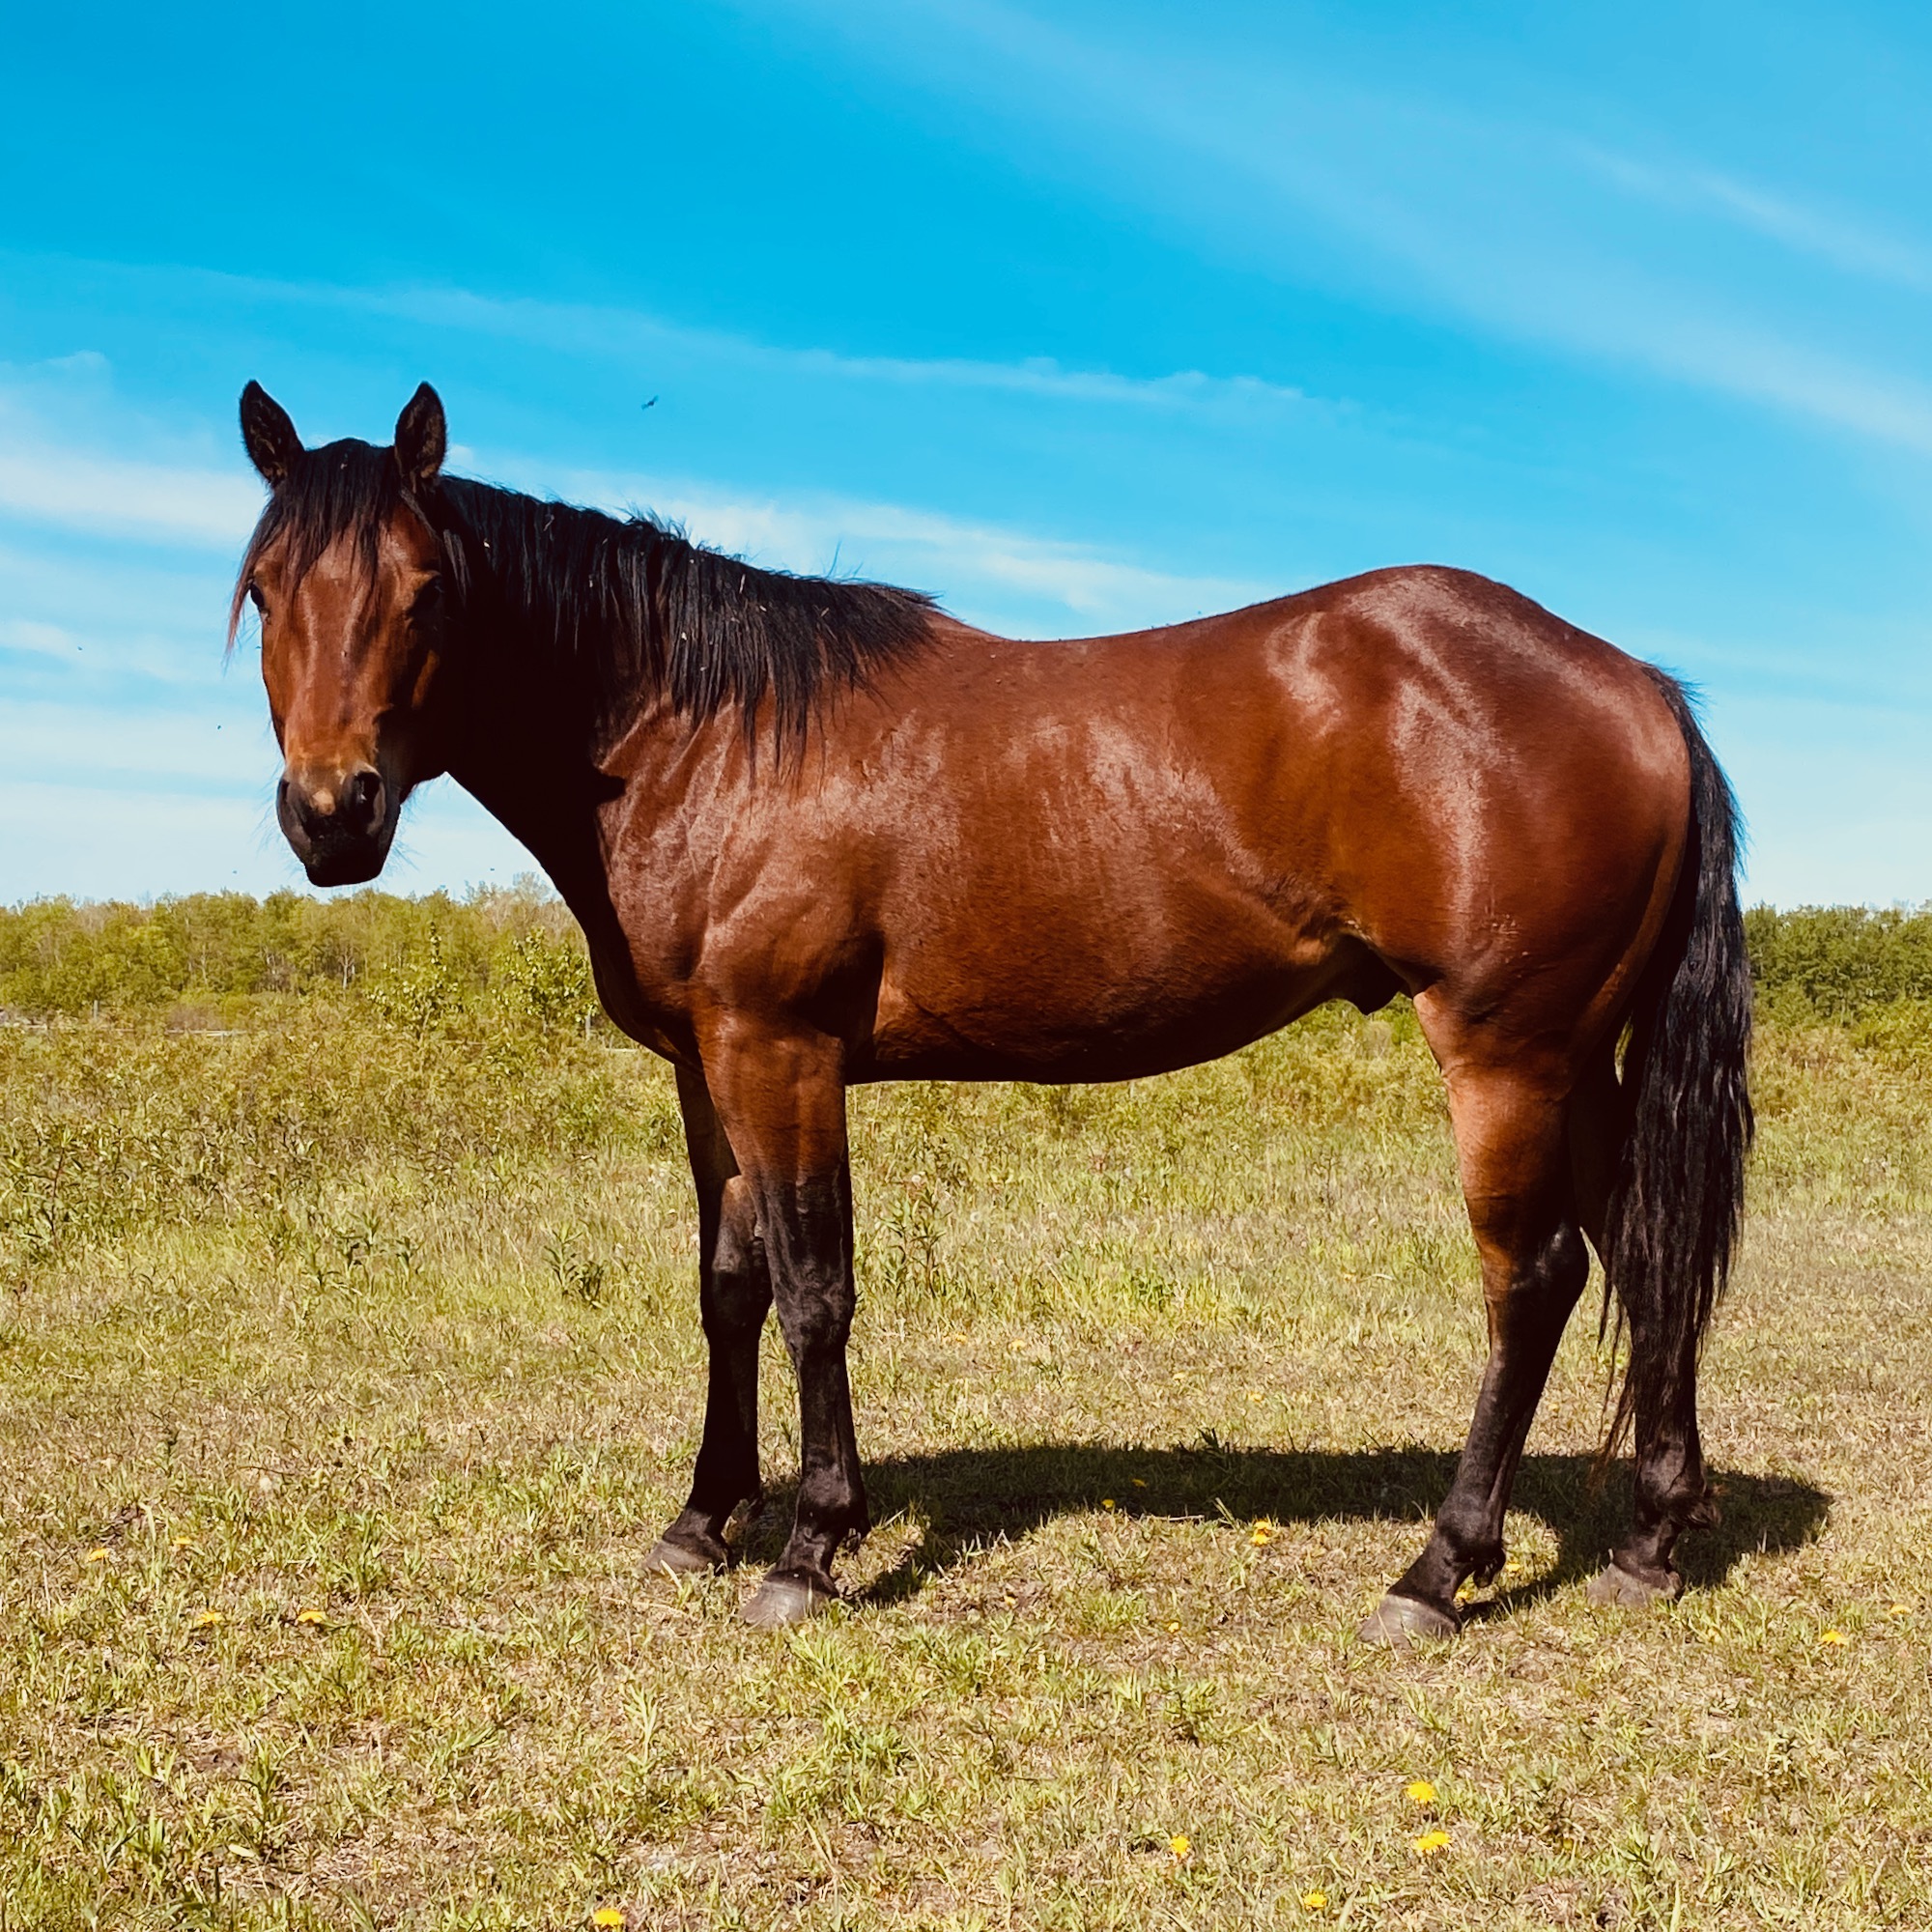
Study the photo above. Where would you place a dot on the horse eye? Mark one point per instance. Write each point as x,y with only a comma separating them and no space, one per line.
426,600
256,598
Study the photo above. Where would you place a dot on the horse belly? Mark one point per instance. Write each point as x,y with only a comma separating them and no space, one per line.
1057,1013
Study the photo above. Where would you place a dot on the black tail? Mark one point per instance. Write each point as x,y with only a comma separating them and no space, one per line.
1673,1220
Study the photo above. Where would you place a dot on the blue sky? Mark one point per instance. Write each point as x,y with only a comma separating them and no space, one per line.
1080,316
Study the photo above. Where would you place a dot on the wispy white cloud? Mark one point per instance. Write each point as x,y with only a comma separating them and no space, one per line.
1842,240
98,606
630,334
1441,208
1001,575
1042,377
55,417
983,571
81,744
962,561
158,503
38,639
581,327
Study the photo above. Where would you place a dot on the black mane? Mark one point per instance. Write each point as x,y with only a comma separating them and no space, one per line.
625,606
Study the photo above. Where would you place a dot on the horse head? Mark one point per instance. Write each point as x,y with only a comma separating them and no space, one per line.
345,571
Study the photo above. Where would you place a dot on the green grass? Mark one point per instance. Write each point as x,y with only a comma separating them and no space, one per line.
348,1365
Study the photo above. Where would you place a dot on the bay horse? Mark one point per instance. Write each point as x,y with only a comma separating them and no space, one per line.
817,832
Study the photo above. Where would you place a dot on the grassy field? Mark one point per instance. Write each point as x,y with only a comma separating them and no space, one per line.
348,1365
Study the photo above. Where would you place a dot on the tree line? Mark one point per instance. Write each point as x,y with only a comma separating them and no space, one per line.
61,957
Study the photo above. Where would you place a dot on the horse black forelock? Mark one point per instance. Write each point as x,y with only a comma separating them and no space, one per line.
622,606
342,489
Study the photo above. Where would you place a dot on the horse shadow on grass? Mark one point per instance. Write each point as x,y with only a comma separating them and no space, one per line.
967,1498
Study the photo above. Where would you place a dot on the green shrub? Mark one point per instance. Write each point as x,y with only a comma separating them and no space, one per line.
1839,961
60,958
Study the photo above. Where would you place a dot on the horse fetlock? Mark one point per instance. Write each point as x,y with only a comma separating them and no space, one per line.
706,1537
811,1551
1699,1510
688,1550
832,1516
1677,1496
1464,1546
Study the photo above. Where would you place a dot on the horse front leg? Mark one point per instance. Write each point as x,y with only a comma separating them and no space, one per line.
734,1297
783,1101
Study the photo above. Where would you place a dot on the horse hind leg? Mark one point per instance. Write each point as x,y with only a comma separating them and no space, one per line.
1511,1148
1671,1494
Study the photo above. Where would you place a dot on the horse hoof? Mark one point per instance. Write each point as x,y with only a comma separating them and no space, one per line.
1402,1622
673,1559
780,1602
1614,1585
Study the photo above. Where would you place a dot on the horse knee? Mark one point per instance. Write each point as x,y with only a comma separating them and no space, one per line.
734,1303
736,1290
816,1317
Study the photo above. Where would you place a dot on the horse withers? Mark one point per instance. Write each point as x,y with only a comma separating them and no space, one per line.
818,831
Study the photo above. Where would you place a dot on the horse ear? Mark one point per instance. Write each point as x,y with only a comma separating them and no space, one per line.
422,437
267,435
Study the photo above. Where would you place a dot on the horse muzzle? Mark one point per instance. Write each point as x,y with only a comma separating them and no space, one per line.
339,824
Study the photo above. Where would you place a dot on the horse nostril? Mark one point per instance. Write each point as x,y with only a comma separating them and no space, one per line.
295,808
360,804
351,806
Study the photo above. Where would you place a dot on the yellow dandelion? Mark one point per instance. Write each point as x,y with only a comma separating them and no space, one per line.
608,1914
208,1620
1432,1842
1181,1846
309,1614
1833,1638
1261,1536
1139,1482
1315,1901
1252,1397
181,1543
1106,1502
1420,1792
95,1557
1901,1610
1174,1627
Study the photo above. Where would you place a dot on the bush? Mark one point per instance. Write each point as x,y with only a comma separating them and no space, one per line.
1838,962
422,959
59,957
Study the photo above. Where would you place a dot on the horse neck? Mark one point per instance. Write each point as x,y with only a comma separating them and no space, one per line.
527,749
